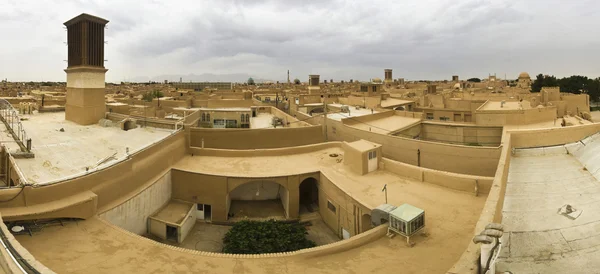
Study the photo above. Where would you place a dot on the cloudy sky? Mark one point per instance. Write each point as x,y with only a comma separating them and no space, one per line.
424,39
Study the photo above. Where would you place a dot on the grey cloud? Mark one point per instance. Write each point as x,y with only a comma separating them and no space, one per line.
342,39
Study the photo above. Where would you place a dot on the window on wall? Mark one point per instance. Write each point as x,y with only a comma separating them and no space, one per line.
331,207
364,88
429,116
242,118
443,118
247,118
203,117
372,154
208,117
374,88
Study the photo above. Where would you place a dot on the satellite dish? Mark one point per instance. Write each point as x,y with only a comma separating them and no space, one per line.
17,228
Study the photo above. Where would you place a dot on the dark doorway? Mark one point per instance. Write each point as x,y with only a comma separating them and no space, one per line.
309,195
171,233
207,213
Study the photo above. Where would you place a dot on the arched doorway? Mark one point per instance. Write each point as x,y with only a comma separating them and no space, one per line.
365,223
309,195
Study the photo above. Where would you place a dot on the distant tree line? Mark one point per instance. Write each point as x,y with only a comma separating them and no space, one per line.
575,84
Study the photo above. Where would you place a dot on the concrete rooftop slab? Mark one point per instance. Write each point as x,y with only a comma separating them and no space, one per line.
59,154
538,239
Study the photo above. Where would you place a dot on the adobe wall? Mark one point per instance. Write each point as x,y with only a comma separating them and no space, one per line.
113,185
215,190
348,211
480,161
255,138
576,103
552,136
133,214
264,152
492,211
456,133
516,117
368,102
143,121
313,120
368,118
461,182
293,121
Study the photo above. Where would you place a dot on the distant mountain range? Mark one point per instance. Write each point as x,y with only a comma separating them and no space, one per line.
205,77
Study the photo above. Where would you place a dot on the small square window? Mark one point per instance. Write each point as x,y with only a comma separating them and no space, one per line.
331,207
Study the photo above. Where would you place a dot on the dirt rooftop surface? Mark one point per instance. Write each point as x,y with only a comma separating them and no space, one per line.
94,246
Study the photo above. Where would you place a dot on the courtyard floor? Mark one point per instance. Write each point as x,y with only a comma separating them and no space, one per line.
209,237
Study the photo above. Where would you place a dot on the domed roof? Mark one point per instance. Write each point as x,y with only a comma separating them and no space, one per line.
524,75
376,80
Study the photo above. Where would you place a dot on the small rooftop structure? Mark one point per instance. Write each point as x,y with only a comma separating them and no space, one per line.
173,222
406,220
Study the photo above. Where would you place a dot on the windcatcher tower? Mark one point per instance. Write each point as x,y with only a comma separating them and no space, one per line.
313,84
388,76
85,71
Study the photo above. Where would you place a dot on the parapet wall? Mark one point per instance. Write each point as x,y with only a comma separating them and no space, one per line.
552,136
367,118
472,160
263,152
491,213
461,182
255,138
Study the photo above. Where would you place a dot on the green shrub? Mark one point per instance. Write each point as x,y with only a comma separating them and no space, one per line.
255,237
149,96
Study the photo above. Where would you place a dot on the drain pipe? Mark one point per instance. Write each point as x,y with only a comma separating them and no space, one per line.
490,245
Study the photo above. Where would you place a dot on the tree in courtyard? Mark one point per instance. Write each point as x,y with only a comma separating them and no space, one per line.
297,81
149,96
250,82
474,80
258,237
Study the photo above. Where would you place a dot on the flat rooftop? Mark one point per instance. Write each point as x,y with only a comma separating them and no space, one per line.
262,120
174,212
61,154
353,112
537,238
385,125
451,218
225,109
509,105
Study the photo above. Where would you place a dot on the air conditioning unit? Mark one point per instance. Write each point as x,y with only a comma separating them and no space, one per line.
406,220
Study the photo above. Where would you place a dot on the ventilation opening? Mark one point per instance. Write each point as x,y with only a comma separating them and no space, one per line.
171,233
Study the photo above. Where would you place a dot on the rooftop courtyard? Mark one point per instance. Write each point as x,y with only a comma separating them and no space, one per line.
95,246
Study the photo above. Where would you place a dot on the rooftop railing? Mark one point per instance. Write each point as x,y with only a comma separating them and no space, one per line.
12,121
